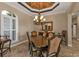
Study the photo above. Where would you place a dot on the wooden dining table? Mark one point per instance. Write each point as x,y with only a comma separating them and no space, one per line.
39,41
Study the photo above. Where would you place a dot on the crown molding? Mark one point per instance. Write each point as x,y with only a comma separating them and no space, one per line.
18,7
35,10
24,10
51,13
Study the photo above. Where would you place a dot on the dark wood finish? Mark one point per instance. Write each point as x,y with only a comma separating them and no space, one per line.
46,27
29,43
40,33
47,10
31,46
3,42
39,41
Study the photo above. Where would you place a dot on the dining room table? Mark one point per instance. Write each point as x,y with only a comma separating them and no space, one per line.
40,42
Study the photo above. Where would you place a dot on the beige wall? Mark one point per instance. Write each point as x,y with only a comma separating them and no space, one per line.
59,21
75,7
25,21
37,27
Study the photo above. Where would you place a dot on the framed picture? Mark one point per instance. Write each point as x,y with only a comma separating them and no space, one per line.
47,26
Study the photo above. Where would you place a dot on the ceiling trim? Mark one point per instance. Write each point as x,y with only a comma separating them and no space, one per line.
24,10
41,11
60,12
18,7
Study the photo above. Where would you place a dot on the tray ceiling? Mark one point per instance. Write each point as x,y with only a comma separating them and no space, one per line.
61,8
40,5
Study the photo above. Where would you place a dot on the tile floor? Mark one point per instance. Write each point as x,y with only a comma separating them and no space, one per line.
22,50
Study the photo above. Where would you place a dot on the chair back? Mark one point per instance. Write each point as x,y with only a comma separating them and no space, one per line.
34,33
28,36
29,42
54,45
40,33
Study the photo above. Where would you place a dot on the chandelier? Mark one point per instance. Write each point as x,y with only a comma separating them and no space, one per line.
39,19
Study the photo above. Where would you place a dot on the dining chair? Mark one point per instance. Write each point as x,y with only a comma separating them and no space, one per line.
34,33
28,40
31,46
51,35
53,47
40,33
5,45
64,36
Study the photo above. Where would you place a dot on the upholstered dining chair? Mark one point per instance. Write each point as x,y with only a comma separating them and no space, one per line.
5,45
51,35
53,47
34,33
40,33
64,37
31,46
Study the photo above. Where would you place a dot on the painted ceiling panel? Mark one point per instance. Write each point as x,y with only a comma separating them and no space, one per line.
40,5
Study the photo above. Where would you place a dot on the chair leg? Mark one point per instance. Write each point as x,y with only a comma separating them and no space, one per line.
2,49
31,53
1,54
28,46
40,54
10,45
46,54
58,51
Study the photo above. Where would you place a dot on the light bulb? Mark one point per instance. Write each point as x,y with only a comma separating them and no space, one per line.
41,17
44,19
37,20
36,17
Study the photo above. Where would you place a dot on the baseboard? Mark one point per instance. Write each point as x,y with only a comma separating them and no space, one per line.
77,39
69,45
18,43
